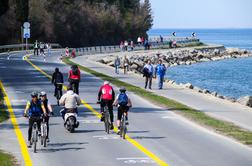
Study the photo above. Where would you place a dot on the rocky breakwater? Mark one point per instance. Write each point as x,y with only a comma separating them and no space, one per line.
184,56
174,57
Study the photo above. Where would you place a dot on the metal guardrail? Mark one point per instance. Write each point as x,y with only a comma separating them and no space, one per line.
16,47
116,48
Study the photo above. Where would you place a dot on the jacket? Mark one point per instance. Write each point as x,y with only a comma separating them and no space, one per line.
70,100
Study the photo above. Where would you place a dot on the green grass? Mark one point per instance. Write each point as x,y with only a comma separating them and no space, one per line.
222,127
6,159
3,113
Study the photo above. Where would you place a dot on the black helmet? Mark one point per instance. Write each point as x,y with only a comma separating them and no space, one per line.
34,94
69,87
56,69
74,66
122,89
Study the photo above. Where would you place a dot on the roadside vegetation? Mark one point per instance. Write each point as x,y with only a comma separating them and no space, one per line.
219,126
5,158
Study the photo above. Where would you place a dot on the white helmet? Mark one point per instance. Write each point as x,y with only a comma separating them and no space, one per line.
43,93
106,83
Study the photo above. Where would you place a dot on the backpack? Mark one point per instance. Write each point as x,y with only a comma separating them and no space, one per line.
35,109
122,99
107,92
75,71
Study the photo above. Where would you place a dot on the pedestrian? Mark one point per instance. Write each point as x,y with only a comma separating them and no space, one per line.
126,44
132,45
146,44
122,46
160,71
49,47
36,47
42,46
67,51
125,65
139,41
148,73
117,65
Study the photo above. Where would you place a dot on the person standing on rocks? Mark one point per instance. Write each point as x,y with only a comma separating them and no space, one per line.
160,70
148,74
125,65
117,65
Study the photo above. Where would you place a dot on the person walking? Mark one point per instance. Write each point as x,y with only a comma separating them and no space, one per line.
148,74
160,70
117,65
125,65
36,47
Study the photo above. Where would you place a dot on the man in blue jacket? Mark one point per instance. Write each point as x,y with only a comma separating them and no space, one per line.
160,73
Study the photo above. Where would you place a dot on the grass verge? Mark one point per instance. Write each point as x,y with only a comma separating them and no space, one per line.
3,113
5,158
222,127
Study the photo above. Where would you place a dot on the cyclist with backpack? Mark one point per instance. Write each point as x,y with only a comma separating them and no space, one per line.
57,80
106,97
123,103
48,108
34,109
74,78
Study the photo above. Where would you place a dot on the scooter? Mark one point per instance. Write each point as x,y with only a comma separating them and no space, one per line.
71,121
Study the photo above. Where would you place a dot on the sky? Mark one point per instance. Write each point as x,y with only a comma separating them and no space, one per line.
202,13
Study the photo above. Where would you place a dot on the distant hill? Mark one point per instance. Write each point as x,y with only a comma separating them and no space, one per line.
75,22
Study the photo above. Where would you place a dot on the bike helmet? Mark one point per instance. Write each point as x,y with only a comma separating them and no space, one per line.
106,83
34,94
122,89
43,93
56,69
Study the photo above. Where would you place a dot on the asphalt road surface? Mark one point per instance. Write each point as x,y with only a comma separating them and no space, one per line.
169,137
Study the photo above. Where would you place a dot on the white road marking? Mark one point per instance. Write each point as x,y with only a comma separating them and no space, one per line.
107,137
42,76
18,101
169,117
90,121
136,160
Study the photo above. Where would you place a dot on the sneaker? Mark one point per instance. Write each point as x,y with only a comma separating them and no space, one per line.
29,144
111,127
126,122
47,140
118,133
39,133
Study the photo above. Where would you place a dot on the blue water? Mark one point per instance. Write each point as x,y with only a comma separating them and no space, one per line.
232,77
240,38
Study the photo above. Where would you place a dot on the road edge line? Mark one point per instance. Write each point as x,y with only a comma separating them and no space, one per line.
21,140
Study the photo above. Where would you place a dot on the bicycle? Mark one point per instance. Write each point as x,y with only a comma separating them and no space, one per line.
43,127
58,90
106,118
34,137
123,127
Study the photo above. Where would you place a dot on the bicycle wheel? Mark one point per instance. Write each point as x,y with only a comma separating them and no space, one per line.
35,142
124,132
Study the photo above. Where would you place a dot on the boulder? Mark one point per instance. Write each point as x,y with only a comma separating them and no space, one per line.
246,100
230,99
107,60
220,96
214,94
197,89
205,91
111,64
188,85
100,61
134,66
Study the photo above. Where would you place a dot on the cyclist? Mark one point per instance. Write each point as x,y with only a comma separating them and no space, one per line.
34,109
124,103
48,108
106,96
57,80
74,78
70,101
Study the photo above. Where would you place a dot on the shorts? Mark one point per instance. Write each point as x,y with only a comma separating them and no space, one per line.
121,110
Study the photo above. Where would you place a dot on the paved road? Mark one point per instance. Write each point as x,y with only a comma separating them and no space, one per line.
213,106
170,137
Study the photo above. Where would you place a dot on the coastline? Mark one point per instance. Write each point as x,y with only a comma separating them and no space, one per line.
180,56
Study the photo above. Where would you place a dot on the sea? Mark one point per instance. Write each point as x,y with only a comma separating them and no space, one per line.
231,77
